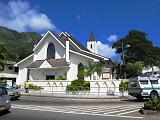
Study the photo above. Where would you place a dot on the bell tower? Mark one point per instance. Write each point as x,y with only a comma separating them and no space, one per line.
92,44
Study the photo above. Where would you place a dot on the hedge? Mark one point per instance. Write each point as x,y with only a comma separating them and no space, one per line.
78,85
152,105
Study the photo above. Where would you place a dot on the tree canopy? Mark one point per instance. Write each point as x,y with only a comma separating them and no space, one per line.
141,49
141,52
3,54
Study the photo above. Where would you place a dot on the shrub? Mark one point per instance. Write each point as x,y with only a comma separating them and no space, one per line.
123,86
152,105
60,78
3,81
78,85
35,87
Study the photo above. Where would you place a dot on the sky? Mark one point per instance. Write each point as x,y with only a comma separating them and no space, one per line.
110,20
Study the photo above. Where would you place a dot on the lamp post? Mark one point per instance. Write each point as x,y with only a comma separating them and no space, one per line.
123,60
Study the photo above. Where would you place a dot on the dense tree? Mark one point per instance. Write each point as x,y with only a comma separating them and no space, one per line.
18,45
141,53
134,70
3,54
141,49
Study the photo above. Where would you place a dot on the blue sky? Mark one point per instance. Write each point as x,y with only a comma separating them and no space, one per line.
106,18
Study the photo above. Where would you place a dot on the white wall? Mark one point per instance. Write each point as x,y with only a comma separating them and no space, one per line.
75,60
97,87
104,87
22,75
41,52
40,74
94,48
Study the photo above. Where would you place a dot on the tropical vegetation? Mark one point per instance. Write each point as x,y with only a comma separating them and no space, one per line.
152,105
93,67
140,53
3,54
18,45
123,86
78,85
34,87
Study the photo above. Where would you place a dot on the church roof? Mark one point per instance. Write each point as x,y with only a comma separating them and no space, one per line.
74,45
83,50
53,62
92,38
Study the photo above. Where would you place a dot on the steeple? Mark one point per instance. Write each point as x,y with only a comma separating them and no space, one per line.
92,44
92,38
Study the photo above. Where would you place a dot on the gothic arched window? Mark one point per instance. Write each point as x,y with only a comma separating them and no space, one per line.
51,51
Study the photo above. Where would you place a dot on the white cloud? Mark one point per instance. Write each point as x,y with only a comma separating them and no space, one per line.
19,15
105,50
112,38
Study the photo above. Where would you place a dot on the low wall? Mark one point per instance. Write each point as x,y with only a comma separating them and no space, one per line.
97,87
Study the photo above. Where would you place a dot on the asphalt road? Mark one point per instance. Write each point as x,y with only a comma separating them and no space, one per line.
39,108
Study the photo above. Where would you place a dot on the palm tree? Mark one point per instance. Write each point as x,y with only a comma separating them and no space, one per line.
3,53
90,69
99,69
93,67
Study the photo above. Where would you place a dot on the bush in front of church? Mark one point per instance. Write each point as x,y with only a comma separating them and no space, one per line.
78,85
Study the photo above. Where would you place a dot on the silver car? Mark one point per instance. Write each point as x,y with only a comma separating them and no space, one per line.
12,92
5,103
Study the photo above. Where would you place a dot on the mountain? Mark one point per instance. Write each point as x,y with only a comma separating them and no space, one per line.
19,45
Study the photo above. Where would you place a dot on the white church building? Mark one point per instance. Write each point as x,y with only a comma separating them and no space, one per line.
55,60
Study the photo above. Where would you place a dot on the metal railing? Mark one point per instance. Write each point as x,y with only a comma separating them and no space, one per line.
80,91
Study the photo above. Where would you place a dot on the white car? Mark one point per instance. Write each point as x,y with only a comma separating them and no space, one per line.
144,87
5,103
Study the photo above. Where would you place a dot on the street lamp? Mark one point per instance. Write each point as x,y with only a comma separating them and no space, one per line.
123,60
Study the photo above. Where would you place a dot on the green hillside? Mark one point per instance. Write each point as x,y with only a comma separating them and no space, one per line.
19,45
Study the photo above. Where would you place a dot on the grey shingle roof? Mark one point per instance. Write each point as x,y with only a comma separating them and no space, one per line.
36,64
58,62
53,62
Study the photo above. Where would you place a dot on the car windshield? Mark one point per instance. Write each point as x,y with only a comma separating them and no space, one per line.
144,82
154,81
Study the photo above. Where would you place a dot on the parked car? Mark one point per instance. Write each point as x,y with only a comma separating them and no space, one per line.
5,103
12,92
144,87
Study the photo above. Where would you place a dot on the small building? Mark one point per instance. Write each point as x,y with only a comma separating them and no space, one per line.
9,73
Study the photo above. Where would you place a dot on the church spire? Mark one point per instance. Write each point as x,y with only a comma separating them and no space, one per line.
92,38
